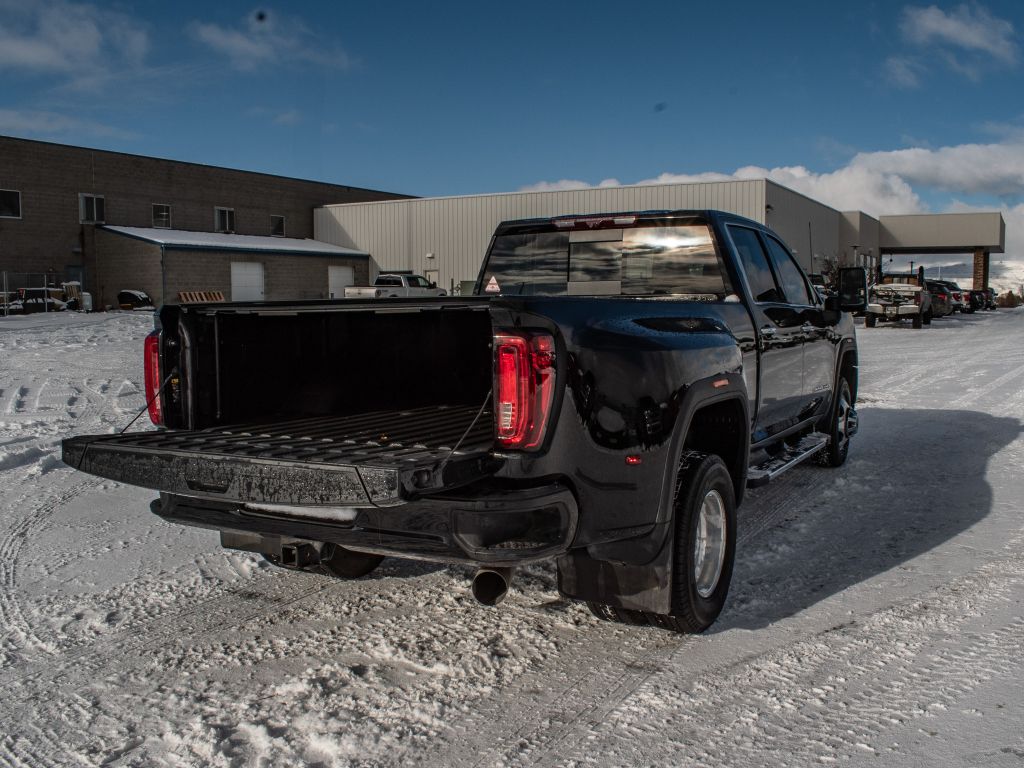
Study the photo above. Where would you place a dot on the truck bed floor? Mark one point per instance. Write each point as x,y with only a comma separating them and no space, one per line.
413,435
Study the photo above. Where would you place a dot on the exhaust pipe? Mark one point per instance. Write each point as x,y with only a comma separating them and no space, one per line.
490,585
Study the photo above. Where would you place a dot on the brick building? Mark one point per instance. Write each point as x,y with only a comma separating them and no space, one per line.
63,209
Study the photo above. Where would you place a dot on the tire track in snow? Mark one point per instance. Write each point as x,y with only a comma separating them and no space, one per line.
14,538
974,395
122,651
609,670
883,674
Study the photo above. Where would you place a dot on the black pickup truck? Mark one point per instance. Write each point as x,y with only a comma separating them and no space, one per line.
602,400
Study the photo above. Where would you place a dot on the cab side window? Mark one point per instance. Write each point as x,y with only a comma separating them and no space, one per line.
794,285
755,265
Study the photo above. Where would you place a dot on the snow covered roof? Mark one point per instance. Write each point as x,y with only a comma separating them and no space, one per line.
180,239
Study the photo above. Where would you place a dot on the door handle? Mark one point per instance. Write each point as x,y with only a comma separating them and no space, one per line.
768,332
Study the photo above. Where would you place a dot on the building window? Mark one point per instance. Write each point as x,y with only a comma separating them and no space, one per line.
90,209
224,219
10,204
161,216
277,226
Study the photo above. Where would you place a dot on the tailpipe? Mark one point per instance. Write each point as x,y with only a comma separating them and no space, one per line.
490,585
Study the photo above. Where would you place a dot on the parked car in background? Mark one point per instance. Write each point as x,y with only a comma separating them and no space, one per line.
976,300
956,294
990,298
900,297
942,298
396,286
131,299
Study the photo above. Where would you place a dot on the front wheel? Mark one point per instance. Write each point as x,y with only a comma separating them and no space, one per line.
870,320
843,420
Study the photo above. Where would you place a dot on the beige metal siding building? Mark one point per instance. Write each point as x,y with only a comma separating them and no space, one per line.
446,238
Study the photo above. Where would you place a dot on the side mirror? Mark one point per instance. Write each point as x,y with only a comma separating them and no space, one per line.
852,290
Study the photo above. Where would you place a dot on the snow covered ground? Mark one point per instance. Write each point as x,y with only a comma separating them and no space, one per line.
875,617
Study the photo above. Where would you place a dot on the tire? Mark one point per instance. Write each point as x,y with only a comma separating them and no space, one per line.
917,321
704,500
343,563
928,318
835,453
697,598
870,320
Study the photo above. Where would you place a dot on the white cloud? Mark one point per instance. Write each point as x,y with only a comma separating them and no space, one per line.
903,72
881,183
849,188
989,169
969,28
53,125
968,39
565,184
290,117
266,39
82,42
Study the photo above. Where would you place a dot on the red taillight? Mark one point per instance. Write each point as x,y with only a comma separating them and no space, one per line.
917,297
524,388
153,381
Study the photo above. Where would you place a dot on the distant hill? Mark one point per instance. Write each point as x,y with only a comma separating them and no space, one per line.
1003,275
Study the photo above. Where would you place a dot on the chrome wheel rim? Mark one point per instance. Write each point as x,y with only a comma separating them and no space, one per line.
709,544
843,418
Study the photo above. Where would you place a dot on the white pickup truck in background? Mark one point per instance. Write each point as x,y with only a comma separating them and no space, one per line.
392,286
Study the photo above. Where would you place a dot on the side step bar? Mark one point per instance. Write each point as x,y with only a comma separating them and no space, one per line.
767,471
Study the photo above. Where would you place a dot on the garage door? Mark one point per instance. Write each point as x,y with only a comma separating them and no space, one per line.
337,279
246,281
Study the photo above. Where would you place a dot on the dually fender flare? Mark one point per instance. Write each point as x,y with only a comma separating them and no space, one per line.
701,394
637,574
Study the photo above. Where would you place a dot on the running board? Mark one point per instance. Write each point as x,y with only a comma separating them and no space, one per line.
764,473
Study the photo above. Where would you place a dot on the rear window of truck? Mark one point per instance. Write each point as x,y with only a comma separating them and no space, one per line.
680,261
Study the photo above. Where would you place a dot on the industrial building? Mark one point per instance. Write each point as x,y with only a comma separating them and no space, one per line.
446,238
116,221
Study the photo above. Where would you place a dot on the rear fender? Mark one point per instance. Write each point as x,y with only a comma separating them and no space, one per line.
636,573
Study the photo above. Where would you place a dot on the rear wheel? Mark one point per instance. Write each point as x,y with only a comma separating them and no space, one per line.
705,545
704,549
870,320
917,321
928,318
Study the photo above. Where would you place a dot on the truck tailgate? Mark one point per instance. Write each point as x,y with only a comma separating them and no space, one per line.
372,459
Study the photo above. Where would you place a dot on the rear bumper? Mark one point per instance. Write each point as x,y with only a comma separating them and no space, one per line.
490,526
889,310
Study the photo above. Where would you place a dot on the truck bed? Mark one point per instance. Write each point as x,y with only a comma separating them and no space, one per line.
370,459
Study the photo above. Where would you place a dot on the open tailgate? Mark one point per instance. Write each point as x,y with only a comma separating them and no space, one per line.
378,459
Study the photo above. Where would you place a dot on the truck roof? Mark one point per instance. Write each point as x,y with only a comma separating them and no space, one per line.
608,220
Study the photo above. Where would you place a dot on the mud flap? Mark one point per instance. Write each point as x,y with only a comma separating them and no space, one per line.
639,587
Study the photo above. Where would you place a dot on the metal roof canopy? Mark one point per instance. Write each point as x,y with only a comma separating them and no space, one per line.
180,239
942,233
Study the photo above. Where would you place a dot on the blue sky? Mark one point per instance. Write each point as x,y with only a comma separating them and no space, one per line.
886,107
